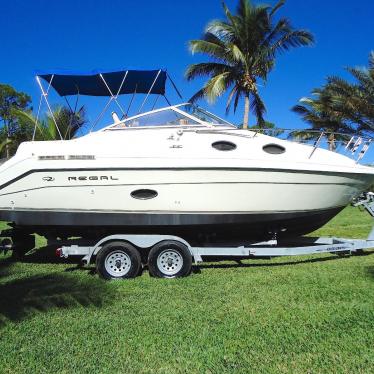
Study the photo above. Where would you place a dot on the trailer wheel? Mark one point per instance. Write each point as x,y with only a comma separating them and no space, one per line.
118,260
169,259
21,245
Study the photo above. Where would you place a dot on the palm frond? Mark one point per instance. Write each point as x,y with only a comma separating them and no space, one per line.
197,95
205,69
258,108
236,101
371,60
293,39
230,97
212,49
216,86
276,7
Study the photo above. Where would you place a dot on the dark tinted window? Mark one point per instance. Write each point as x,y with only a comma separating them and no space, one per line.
143,194
274,149
224,145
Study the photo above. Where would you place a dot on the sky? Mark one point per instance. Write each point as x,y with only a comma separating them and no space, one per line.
112,34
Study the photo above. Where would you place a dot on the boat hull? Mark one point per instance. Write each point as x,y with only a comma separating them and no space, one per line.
192,226
195,203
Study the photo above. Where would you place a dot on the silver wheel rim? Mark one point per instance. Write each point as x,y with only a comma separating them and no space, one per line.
170,262
117,264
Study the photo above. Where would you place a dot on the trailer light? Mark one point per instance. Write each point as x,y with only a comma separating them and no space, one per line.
59,252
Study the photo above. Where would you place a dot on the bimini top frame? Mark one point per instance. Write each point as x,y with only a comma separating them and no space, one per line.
103,83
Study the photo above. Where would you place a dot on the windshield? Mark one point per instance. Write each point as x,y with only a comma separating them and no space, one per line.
173,116
167,117
202,114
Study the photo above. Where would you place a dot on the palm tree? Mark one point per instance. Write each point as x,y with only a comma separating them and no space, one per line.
3,144
355,101
340,106
268,128
69,123
242,49
318,113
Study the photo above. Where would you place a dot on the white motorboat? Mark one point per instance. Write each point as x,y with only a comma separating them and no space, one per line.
176,170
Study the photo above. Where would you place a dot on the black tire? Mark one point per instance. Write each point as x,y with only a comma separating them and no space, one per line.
169,259
341,253
118,260
358,252
21,245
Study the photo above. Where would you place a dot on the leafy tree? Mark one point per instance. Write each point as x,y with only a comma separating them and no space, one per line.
340,106
13,128
242,49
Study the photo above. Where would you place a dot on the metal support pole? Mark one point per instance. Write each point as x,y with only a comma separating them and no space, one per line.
155,102
132,98
37,117
350,142
68,104
150,90
111,93
39,108
123,81
101,114
167,100
317,143
45,94
175,87
72,114
356,145
364,149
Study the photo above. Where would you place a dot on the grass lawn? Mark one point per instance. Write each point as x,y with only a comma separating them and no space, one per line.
287,315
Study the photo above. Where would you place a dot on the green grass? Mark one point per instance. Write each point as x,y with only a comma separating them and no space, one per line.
312,314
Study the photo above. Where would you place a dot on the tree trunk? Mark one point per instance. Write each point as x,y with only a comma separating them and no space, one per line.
246,111
331,141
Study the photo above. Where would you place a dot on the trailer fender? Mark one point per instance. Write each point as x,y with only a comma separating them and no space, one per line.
140,241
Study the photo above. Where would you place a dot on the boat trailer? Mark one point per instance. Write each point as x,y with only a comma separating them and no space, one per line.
167,256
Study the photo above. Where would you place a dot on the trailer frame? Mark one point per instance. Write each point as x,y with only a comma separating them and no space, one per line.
271,248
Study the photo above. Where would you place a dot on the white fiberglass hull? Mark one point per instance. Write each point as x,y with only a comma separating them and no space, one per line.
207,201
184,190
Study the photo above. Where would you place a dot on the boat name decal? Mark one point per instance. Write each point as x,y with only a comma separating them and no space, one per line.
93,178
48,179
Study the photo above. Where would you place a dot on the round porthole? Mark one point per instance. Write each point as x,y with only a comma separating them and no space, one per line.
143,194
274,149
224,145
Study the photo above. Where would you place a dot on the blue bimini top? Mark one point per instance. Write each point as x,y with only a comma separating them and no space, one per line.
116,82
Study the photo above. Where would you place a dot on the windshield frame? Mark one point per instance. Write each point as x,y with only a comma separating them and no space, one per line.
220,120
175,108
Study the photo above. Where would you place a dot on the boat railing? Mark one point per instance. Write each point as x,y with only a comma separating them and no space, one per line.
352,145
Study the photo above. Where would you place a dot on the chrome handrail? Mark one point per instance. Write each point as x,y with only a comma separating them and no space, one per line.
354,144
